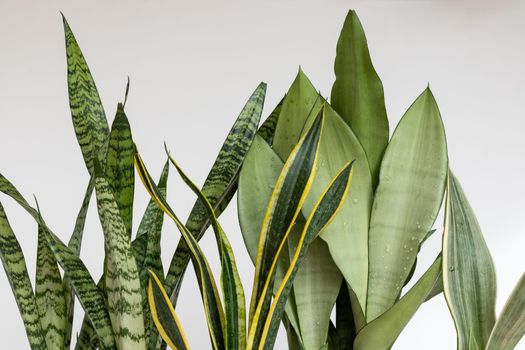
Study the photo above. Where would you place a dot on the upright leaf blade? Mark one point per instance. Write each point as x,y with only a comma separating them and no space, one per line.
120,171
510,326
468,271
89,119
50,295
16,270
357,93
121,275
220,184
322,214
407,200
164,315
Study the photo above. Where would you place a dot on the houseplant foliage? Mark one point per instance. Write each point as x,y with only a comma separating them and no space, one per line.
313,249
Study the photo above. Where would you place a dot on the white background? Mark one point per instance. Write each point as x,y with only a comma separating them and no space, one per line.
192,66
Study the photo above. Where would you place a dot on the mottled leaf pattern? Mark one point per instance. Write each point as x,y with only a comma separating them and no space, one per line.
469,278
221,183
357,94
16,270
120,172
267,129
50,295
89,119
121,275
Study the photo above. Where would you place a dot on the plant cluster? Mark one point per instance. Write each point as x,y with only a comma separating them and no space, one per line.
333,210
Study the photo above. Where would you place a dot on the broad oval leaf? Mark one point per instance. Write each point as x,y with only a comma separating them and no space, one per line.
469,279
407,200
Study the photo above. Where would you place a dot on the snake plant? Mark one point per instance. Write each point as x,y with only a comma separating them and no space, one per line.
313,249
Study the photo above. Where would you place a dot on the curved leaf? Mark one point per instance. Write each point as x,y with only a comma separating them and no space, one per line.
357,94
382,332
220,184
16,270
469,278
89,119
407,200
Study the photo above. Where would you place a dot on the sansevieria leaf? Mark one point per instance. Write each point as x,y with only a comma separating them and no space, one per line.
510,326
50,295
233,293
122,282
89,119
208,288
16,270
220,184
468,271
357,94
120,171
406,202
87,292
322,214
164,315
284,206
382,332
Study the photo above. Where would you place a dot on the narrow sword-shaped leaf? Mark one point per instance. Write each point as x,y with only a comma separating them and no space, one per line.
122,282
147,251
210,295
220,184
382,332
285,204
75,243
16,270
50,295
233,293
90,297
510,326
357,93
267,129
120,171
469,278
89,119
322,214
406,202
164,316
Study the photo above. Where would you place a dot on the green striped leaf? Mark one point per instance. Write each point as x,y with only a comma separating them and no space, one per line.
147,251
210,295
89,119
164,315
285,204
75,243
233,293
407,201
122,282
267,129
510,326
16,271
357,93
381,333
322,214
469,278
90,297
220,184
50,295
120,172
